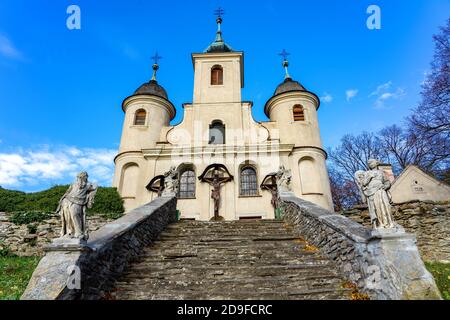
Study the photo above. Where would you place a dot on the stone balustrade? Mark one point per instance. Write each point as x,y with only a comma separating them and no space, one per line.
386,266
91,271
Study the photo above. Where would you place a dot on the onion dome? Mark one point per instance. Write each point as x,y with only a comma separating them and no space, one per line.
218,45
152,87
288,85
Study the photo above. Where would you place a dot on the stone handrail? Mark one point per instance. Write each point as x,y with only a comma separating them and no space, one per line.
90,272
385,267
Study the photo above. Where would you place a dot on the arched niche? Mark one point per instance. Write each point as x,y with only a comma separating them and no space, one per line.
309,176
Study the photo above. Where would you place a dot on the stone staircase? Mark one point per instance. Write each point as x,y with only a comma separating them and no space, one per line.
255,259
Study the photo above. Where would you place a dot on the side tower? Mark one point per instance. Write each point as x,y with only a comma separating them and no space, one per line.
147,112
294,109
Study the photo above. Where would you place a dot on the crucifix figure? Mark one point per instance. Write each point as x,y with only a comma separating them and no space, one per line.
216,176
215,194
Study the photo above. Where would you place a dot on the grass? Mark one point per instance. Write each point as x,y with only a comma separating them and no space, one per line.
441,274
15,272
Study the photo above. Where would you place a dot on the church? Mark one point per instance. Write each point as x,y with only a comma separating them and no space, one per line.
225,160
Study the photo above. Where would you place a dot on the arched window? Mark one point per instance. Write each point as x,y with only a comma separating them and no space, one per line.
299,113
217,76
140,117
217,133
249,183
187,185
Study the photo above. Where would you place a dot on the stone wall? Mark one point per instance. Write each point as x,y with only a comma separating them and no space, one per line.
108,253
429,221
386,267
22,243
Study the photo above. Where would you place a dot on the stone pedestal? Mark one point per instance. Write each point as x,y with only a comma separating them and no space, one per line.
398,268
67,244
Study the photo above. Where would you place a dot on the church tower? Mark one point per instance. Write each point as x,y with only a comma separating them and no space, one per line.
147,112
225,159
294,109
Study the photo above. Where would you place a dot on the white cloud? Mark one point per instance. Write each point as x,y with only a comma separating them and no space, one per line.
351,93
8,50
381,88
47,165
385,92
327,98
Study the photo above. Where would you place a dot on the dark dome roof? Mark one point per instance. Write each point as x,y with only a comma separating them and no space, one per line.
216,47
152,88
289,85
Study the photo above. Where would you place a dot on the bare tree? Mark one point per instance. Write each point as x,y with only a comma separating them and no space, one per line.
404,148
350,156
355,151
344,191
424,142
430,121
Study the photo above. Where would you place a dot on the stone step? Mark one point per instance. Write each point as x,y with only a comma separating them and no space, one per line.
244,294
257,259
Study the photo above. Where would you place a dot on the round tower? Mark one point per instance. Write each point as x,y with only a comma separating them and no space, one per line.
294,109
147,111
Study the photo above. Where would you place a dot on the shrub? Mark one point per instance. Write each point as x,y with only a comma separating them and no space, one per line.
107,201
32,228
5,251
35,207
29,217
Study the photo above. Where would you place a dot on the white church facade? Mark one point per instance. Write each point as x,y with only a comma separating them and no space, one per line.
218,136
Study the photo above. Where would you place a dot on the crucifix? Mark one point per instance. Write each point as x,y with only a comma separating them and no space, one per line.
155,59
216,176
285,55
219,12
215,194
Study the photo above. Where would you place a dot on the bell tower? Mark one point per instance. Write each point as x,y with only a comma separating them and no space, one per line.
219,75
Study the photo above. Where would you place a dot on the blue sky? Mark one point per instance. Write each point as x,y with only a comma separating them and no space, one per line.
61,90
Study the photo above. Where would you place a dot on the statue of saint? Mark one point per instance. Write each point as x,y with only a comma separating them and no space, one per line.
170,182
72,208
374,191
284,178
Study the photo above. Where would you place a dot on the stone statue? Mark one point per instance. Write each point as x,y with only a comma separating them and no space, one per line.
284,178
374,191
72,208
215,194
170,183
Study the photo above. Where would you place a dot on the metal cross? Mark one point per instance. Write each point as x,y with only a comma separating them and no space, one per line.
219,12
156,58
284,54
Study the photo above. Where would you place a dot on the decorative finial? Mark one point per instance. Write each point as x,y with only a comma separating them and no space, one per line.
156,59
219,12
285,54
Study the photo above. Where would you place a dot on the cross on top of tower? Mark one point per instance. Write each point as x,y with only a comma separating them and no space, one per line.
284,54
156,58
219,12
